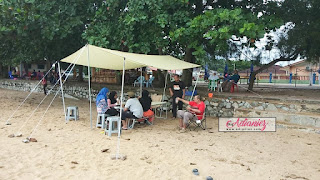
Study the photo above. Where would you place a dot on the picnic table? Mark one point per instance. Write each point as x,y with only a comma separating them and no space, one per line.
153,104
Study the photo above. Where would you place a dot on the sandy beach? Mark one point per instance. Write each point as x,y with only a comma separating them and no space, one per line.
73,150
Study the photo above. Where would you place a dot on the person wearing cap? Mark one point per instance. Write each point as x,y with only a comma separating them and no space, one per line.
177,89
132,109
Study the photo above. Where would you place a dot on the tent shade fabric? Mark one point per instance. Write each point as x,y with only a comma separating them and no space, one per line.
112,59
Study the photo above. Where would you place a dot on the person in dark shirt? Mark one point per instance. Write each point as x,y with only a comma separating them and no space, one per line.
33,74
112,102
145,101
177,89
229,84
235,77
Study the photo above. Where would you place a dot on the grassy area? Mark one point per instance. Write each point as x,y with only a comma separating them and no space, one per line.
282,81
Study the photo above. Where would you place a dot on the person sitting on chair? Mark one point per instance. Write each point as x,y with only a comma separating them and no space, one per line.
101,101
133,109
228,84
112,102
195,110
235,77
145,101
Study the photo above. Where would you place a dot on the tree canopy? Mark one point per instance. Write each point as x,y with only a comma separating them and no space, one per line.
185,29
193,30
36,30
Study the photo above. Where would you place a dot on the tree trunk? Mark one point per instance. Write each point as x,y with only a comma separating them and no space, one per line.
251,82
187,73
160,74
48,64
80,76
266,66
26,69
1,70
118,75
4,71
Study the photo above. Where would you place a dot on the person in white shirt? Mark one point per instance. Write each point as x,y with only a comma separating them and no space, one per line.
133,109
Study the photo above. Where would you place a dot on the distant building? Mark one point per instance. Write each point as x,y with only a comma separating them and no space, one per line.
276,70
42,67
301,68
38,67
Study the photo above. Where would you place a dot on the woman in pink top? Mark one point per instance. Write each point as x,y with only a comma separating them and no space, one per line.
112,102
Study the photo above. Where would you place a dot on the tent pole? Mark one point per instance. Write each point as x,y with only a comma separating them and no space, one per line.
61,85
89,82
121,102
141,82
194,88
165,85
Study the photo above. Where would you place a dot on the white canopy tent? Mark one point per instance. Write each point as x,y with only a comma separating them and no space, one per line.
93,56
112,59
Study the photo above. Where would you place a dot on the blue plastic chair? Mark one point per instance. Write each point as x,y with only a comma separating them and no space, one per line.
138,81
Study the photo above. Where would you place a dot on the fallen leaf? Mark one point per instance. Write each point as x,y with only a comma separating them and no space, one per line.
192,164
74,162
104,150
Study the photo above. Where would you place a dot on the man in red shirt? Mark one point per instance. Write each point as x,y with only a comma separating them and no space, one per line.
194,111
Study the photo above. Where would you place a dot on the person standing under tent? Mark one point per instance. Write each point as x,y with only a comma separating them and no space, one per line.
45,84
177,89
112,102
132,109
145,101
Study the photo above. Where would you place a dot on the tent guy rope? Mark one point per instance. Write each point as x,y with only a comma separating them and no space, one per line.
7,122
18,132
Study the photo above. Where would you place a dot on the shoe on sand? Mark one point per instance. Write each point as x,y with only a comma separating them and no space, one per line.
182,130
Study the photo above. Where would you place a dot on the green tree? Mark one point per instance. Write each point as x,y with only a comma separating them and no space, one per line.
299,36
185,29
32,30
